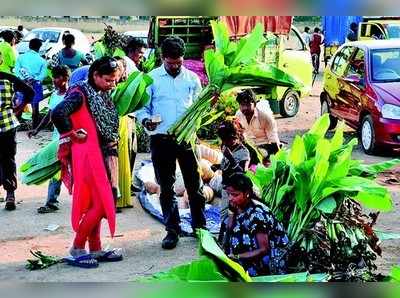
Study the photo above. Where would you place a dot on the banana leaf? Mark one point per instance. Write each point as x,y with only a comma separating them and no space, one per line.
368,193
203,269
248,46
44,157
209,247
221,37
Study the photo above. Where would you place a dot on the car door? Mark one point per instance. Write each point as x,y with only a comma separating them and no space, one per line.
333,83
295,59
353,91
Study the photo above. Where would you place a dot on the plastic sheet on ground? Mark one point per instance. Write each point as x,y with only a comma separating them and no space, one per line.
151,203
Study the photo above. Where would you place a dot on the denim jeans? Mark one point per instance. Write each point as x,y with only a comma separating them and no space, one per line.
53,191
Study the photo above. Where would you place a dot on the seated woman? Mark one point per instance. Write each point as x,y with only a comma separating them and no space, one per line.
252,236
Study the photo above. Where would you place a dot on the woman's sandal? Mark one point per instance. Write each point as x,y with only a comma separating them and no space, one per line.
85,261
109,256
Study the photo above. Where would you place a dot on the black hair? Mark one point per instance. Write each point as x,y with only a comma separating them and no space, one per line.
173,47
103,66
60,71
18,36
316,30
229,129
246,96
20,28
134,44
306,29
69,40
240,182
353,26
35,44
7,35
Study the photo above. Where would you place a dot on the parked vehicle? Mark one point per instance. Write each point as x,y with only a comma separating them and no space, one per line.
336,29
362,87
52,40
285,48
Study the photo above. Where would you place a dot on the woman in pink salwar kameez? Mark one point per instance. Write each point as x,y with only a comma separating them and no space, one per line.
88,124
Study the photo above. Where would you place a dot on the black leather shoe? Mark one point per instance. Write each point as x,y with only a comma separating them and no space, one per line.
10,202
170,241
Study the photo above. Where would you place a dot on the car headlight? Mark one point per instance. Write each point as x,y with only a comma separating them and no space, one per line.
390,111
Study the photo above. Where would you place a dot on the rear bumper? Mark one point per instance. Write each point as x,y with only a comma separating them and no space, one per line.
387,132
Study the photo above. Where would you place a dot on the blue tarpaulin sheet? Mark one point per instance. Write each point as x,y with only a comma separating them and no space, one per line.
336,28
152,206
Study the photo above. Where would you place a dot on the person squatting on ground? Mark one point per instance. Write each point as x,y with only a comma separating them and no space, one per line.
259,124
88,123
9,111
174,89
60,76
236,156
251,235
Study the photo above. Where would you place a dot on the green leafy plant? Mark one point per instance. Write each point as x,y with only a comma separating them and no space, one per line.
317,190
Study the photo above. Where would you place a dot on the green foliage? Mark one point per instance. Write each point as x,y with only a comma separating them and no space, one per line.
229,65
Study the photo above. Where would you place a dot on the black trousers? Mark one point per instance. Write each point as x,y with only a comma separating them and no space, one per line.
8,169
164,153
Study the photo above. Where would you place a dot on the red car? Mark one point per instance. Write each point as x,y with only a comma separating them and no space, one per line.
362,87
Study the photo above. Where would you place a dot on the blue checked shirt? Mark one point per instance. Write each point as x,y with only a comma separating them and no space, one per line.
169,97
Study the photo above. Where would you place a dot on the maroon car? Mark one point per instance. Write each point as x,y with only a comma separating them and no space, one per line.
362,87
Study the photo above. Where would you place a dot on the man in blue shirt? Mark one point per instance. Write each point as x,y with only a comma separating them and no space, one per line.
173,91
32,68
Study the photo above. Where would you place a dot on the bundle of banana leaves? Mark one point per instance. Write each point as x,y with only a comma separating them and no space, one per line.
131,95
42,166
229,65
110,44
41,261
316,190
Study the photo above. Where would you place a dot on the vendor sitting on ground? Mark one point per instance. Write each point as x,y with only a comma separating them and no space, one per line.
259,124
253,237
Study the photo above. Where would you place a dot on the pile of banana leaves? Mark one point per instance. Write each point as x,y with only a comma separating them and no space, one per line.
214,266
110,44
229,65
128,97
317,191
42,166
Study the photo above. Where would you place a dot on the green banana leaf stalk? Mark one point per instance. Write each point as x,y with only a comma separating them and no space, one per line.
228,66
316,182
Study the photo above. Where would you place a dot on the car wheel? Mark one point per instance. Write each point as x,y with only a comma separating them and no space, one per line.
325,109
289,104
367,135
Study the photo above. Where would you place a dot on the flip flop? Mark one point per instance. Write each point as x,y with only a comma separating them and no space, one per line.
109,256
85,261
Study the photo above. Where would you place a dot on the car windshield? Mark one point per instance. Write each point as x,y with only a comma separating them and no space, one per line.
385,65
393,31
44,35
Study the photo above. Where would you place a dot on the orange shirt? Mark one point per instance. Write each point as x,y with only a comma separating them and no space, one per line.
262,128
